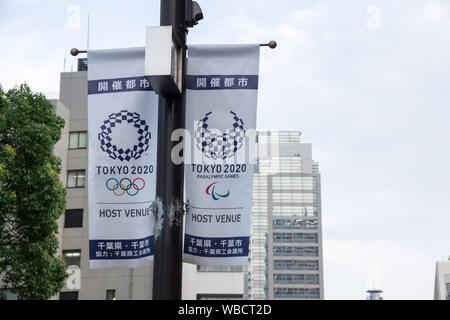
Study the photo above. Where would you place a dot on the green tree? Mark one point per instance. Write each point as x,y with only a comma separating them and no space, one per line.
32,197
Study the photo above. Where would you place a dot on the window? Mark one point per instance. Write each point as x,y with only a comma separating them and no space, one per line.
299,293
295,237
296,251
73,218
292,210
78,140
448,290
295,224
76,178
7,294
219,297
296,265
73,295
289,278
293,197
111,294
72,257
220,269
83,64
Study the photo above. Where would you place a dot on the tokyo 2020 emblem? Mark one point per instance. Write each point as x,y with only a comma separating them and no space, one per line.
128,118
215,145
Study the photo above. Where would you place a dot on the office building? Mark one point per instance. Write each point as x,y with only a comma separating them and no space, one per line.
286,233
442,282
374,294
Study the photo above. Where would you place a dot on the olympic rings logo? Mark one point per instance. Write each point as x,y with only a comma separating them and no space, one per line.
124,186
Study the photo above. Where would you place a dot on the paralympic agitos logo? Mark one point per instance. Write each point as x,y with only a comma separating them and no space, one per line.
217,145
211,191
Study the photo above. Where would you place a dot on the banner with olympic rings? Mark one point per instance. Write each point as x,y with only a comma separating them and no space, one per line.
122,129
222,89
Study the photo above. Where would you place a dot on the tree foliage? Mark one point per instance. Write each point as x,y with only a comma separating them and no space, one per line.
32,197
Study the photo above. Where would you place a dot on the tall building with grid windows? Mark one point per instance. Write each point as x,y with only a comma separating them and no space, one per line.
286,237
442,281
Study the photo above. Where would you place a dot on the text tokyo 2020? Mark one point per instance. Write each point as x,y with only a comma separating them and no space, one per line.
114,170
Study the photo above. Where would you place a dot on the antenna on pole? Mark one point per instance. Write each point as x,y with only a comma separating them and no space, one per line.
88,30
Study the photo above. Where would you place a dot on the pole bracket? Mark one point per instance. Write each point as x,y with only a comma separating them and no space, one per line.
176,211
271,44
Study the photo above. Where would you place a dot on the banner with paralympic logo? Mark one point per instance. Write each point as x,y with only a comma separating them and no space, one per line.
221,97
122,125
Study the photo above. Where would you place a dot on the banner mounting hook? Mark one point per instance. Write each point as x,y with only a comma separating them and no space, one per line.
272,44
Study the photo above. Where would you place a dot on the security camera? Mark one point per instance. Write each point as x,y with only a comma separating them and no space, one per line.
193,13
196,11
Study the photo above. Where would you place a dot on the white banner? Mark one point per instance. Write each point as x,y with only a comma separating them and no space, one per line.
222,88
122,114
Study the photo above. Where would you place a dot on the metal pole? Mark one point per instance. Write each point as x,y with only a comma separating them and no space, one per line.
167,270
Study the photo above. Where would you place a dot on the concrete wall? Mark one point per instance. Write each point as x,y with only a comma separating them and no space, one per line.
211,283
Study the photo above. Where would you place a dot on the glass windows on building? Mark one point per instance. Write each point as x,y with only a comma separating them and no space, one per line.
73,218
72,257
7,294
279,237
293,197
296,265
294,210
258,248
78,140
295,224
220,297
296,182
296,293
276,165
72,295
295,251
220,268
285,231
290,278
76,178
111,294
448,290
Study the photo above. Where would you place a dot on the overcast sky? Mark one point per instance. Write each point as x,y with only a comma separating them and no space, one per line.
366,82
